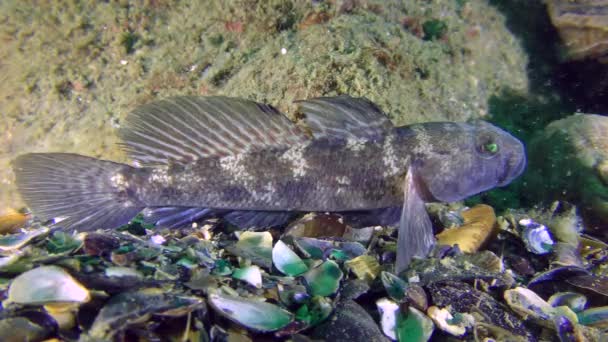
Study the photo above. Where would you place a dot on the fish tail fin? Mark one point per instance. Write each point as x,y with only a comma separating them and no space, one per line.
86,192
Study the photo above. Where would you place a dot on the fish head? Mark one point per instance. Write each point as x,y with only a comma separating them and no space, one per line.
458,160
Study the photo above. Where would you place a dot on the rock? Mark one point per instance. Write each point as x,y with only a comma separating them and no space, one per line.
350,322
569,160
582,26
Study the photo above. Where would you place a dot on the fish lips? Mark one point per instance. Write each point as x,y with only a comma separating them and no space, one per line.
514,167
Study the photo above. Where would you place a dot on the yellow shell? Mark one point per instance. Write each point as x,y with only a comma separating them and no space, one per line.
478,227
365,267
11,220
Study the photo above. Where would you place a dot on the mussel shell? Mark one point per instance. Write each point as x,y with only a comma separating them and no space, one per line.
46,284
256,315
287,261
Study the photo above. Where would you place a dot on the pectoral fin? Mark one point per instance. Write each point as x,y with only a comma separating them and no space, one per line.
415,229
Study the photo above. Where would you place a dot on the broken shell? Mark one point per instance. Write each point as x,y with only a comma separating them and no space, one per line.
250,274
394,286
529,305
414,326
449,218
360,235
314,248
132,307
323,249
317,225
416,296
324,280
28,326
315,311
63,313
348,250
62,243
13,242
478,227
365,267
255,246
595,317
46,284
287,261
292,294
9,260
486,260
536,237
443,319
260,316
119,271
402,292
389,311
573,300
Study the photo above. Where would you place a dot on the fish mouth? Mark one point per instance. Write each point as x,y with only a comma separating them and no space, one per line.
514,167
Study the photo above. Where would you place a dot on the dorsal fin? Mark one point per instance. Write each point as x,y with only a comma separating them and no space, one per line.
183,129
345,117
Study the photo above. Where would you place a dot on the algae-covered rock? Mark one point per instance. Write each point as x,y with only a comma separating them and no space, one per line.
582,27
72,71
570,159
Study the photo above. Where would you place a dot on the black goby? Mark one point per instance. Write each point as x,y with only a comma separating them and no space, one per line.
246,162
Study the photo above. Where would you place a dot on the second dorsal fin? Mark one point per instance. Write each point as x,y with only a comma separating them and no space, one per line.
345,117
183,129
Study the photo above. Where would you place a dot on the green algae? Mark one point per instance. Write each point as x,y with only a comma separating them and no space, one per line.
434,29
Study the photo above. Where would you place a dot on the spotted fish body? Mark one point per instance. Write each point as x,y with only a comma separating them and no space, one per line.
320,175
248,163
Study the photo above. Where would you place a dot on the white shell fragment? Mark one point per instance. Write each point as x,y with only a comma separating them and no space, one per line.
575,301
118,271
260,316
250,274
389,311
444,320
46,284
413,326
536,237
287,261
529,305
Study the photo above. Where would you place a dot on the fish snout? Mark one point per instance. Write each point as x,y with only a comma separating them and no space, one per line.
514,166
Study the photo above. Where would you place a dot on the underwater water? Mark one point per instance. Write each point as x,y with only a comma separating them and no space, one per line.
335,218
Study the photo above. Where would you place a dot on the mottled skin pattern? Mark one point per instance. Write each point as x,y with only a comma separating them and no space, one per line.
332,174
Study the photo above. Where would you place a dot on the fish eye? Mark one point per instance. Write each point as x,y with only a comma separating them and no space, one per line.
491,147
487,146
